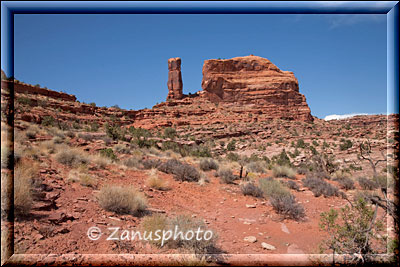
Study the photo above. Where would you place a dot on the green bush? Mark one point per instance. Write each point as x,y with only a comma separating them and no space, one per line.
108,153
169,132
353,231
231,145
48,121
346,144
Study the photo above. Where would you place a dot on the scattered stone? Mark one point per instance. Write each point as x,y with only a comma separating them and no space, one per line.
284,228
250,239
267,246
251,206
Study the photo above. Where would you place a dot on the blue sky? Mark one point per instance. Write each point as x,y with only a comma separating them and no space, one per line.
339,60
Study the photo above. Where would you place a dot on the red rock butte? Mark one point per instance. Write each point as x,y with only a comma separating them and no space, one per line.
255,80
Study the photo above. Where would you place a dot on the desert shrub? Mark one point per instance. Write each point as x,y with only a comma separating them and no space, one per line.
30,134
181,171
120,148
198,151
58,140
345,183
115,132
151,163
24,101
101,162
169,132
156,182
282,159
208,164
87,137
108,153
169,166
256,166
367,184
320,187
300,143
94,127
346,144
233,156
381,181
48,121
70,134
250,189
283,171
186,172
24,175
286,205
132,162
122,200
292,185
226,176
353,231
231,146
272,187
72,157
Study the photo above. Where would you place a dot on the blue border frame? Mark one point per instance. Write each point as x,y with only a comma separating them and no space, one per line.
390,8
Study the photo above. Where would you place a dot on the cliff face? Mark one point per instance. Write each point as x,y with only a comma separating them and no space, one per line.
255,80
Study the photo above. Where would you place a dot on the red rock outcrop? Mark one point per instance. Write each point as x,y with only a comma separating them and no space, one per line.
175,84
255,80
35,90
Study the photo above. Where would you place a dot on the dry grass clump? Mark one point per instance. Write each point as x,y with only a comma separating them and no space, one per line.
100,161
250,189
272,187
83,178
283,171
208,164
24,175
156,182
122,149
32,131
72,157
122,200
256,166
184,224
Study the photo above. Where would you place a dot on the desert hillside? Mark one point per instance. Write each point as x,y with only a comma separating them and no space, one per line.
243,158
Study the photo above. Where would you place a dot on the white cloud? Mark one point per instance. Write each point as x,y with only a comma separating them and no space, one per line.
344,116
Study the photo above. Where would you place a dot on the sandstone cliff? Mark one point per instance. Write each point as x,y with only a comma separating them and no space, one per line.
255,80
